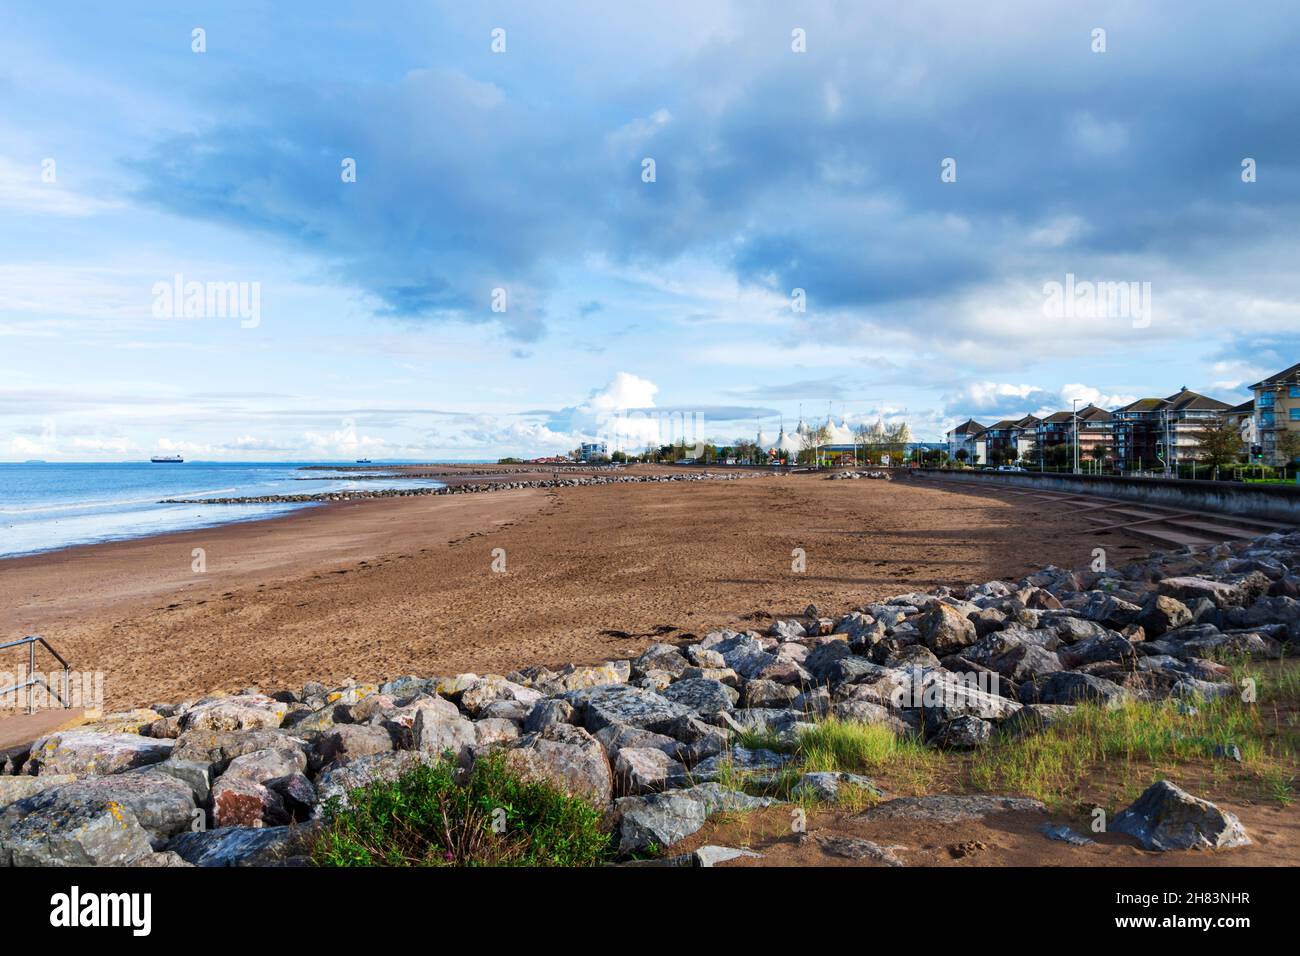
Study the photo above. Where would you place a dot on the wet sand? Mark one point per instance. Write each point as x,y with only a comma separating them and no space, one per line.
374,589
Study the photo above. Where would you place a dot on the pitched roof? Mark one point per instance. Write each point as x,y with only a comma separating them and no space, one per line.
1057,417
968,427
1143,405
1245,408
1091,413
1185,398
1284,376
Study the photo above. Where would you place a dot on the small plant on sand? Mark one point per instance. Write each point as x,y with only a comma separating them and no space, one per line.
862,748
1132,739
427,817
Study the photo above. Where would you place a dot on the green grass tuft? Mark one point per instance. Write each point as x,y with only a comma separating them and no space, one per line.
427,818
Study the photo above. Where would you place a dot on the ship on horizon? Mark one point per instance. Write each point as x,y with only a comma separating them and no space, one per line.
167,459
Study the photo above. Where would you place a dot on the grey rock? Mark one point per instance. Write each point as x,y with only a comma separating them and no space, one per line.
950,808
599,707
640,770
566,757
660,657
237,846
247,712
1071,687
1062,833
827,786
702,696
337,783
85,753
945,631
854,848
713,855
1166,817
963,733
97,821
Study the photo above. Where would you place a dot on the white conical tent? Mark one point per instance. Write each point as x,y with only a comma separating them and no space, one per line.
786,444
840,434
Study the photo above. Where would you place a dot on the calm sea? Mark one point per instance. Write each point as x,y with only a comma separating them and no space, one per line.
44,506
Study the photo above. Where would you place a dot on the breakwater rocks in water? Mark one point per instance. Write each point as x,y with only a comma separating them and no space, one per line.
467,489
658,740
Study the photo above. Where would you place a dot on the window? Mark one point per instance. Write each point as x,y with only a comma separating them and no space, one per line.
1294,391
1295,414
1266,419
1265,398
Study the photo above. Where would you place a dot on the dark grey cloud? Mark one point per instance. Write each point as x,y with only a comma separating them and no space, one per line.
818,171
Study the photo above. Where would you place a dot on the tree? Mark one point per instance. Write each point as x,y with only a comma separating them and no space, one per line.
1219,443
1288,446
811,442
961,455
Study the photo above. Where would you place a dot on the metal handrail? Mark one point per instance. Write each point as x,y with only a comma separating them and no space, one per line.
33,679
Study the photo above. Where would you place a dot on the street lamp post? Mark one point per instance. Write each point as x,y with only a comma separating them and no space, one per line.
1076,435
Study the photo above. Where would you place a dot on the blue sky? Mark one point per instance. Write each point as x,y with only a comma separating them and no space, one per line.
522,170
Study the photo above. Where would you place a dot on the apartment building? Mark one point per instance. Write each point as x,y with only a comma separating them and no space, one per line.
1277,411
1008,440
1144,429
964,438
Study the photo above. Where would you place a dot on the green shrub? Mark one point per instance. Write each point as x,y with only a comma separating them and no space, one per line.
427,818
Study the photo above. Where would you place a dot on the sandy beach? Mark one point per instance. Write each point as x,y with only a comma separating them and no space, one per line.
371,589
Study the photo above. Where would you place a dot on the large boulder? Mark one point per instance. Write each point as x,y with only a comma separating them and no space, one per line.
658,820
1107,647
1072,687
337,783
945,630
745,655
98,821
548,713
702,696
218,748
1189,588
599,707
90,754
241,712
436,733
643,770
951,808
566,757
493,688
1166,817
962,733
238,846
1163,613
13,789
1108,610
348,741
660,657
252,791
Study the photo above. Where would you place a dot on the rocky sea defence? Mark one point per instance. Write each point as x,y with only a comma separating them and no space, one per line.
664,741
465,489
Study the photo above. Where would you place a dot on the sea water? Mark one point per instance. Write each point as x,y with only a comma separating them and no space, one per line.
49,505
